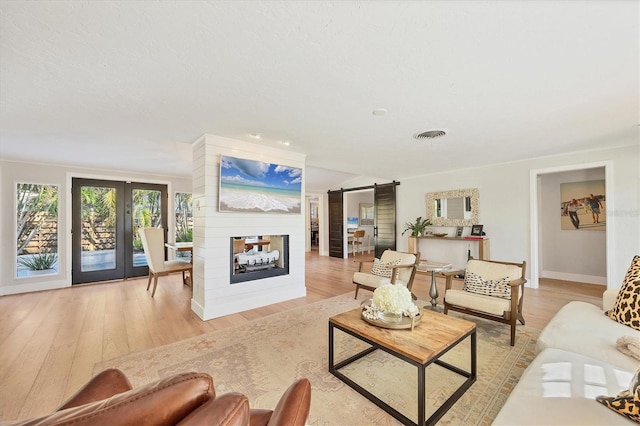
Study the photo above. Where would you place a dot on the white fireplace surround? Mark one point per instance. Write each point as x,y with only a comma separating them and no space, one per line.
213,293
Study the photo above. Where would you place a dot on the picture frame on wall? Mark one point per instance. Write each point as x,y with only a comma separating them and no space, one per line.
366,214
476,230
583,206
459,230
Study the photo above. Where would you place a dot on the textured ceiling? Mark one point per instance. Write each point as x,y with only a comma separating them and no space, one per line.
130,84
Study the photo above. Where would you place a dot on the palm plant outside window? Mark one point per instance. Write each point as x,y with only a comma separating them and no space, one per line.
184,220
36,229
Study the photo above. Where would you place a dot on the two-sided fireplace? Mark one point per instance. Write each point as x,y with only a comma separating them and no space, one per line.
258,257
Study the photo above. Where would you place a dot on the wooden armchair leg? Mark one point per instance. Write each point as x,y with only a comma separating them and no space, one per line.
513,333
149,282
520,318
357,288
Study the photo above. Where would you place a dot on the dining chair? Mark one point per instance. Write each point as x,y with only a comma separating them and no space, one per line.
356,241
153,244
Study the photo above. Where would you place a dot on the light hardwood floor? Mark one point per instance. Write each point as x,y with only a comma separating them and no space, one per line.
50,340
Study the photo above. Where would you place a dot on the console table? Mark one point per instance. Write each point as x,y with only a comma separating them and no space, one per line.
449,249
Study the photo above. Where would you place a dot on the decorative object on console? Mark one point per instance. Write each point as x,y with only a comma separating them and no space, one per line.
418,227
459,230
476,230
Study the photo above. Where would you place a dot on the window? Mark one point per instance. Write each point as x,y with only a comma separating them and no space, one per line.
184,221
36,229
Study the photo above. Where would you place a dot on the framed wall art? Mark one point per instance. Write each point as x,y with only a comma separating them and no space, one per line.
256,186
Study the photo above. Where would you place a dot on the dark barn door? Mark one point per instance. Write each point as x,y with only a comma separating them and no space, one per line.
336,236
384,229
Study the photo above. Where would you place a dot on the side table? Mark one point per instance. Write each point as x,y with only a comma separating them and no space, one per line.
426,266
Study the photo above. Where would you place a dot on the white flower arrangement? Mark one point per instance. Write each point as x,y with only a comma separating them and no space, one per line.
393,298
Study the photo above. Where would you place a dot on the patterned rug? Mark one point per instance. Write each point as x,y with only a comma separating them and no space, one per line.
262,358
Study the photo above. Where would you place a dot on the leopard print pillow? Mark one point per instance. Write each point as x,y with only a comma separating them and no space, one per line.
627,402
626,309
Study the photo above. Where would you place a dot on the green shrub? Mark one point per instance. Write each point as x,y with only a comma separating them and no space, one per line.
39,262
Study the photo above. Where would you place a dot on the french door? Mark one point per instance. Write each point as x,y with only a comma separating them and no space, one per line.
105,218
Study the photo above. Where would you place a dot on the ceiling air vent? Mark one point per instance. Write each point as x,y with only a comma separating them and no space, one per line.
431,134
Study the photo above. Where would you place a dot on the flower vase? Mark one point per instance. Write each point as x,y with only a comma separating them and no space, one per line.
390,317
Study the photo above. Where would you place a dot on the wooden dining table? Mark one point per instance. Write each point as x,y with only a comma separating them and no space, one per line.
183,246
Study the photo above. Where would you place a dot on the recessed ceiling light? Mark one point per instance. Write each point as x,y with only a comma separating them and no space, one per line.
256,135
379,111
430,134
285,143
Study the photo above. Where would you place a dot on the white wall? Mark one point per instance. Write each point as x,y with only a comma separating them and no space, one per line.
569,254
12,173
213,293
505,209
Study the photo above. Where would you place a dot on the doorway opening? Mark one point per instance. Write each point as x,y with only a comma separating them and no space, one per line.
105,219
540,235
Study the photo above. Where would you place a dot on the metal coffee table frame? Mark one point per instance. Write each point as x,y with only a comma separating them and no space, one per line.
471,376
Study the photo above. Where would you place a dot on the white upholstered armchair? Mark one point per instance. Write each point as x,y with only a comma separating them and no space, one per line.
492,290
395,267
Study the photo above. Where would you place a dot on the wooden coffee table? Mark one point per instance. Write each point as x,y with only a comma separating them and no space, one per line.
434,336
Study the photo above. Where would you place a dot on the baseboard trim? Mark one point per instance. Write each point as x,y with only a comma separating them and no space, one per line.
31,287
587,279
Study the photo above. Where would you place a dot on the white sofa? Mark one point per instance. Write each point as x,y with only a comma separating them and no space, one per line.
577,360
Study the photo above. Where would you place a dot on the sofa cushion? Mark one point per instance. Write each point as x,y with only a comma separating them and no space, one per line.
474,283
583,328
560,387
627,402
626,309
478,302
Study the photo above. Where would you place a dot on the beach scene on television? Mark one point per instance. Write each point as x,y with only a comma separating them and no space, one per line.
255,186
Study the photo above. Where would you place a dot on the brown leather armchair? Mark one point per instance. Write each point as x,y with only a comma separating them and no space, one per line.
182,399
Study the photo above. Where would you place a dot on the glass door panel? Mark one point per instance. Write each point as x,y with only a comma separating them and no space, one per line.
98,248
97,230
146,207
146,213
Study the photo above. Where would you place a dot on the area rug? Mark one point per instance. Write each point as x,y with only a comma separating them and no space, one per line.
263,357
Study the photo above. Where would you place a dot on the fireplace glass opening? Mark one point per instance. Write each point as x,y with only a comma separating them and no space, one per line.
257,257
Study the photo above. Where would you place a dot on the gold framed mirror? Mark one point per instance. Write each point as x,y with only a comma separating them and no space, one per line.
460,207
